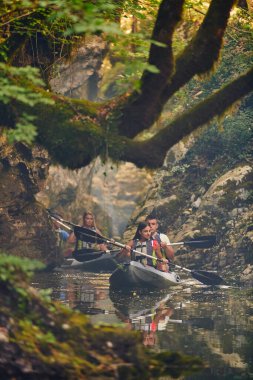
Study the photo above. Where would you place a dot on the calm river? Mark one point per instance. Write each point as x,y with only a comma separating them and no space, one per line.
215,324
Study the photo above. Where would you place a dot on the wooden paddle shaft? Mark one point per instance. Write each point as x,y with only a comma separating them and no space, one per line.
62,224
190,242
108,241
179,267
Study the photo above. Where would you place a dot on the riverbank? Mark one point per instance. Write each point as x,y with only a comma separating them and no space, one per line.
43,339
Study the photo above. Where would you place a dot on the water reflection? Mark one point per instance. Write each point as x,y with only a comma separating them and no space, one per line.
147,320
215,324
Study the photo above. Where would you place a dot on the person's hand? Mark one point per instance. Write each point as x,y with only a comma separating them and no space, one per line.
128,248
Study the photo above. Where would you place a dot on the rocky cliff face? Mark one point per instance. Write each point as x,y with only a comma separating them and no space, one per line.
190,200
79,76
25,229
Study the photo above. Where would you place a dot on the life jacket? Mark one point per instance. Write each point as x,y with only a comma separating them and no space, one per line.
84,244
148,247
157,237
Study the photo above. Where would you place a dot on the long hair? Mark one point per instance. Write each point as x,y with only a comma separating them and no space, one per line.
86,213
140,227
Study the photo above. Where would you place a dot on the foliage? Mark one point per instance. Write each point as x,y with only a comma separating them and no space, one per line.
154,57
11,265
17,85
236,57
50,340
179,168
68,17
233,140
15,270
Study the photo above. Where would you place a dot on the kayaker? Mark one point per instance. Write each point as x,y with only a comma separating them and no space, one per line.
142,242
162,239
88,222
62,235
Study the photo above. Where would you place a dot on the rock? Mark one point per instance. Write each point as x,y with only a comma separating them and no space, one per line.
197,203
4,335
248,270
80,78
222,207
25,229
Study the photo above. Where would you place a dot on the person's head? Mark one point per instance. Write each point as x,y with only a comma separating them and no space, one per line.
149,338
152,221
88,219
143,231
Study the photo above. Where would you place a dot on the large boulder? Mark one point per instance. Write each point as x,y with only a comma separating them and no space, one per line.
25,229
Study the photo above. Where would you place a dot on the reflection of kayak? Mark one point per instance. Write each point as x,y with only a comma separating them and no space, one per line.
135,274
97,261
137,303
141,308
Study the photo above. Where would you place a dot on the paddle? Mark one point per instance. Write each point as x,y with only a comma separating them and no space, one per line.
199,242
88,254
207,241
85,254
82,233
207,278
59,219
62,224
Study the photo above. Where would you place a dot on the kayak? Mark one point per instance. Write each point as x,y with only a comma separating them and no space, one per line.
138,303
135,274
96,261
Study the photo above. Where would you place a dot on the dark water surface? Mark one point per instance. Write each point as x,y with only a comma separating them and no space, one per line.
215,324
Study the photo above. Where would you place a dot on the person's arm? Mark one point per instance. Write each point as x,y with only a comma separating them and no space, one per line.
72,238
169,252
165,244
158,252
126,251
102,246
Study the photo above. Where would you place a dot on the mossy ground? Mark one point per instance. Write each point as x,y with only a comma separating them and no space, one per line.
43,339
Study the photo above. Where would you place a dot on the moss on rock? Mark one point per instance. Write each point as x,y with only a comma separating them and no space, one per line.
43,339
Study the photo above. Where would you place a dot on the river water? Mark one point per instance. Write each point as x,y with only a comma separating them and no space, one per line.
215,324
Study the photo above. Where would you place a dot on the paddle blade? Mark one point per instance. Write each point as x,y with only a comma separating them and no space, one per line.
202,242
87,235
207,278
87,254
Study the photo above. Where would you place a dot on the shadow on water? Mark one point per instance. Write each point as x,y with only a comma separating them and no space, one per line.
213,323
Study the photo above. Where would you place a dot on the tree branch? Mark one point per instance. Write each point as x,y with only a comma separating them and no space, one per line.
203,51
151,153
198,57
141,106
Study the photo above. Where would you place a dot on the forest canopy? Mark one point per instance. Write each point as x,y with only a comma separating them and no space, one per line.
170,43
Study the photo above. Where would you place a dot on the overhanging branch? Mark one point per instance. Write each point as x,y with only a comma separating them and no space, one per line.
151,153
198,57
141,106
203,51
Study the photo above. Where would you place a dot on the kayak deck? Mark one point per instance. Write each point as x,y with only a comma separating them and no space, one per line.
135,274
106,262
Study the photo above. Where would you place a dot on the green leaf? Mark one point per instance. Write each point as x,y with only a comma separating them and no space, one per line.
157,43
25,130
152,69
